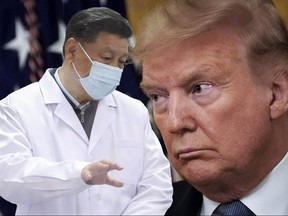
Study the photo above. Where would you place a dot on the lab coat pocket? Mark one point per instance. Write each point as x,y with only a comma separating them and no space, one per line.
129,154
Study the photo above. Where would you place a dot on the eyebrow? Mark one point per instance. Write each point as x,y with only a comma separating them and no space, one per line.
144,87
204,72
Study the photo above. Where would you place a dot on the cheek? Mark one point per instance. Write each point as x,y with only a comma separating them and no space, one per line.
161,123
83,66
167,138
243,136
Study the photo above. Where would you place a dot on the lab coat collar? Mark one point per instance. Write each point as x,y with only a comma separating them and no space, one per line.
106,110
52,95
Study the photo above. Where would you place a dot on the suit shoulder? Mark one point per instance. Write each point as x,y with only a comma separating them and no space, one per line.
186,199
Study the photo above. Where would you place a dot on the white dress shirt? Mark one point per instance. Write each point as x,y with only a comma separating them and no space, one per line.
268,198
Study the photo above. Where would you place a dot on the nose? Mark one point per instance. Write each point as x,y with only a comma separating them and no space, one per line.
180,114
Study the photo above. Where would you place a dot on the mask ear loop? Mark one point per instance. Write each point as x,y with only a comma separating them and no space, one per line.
76,71
85,52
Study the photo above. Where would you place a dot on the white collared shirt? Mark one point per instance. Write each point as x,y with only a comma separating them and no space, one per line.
268,198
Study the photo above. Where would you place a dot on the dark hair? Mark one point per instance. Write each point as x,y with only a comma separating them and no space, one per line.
86,25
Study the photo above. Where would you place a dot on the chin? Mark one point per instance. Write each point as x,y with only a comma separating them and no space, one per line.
199,175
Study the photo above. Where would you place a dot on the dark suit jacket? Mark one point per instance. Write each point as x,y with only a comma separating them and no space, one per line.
186,200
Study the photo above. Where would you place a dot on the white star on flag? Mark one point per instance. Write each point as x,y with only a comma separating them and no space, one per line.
20,43
56,47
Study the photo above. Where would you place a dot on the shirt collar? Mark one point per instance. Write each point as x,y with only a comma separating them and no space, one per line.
268,198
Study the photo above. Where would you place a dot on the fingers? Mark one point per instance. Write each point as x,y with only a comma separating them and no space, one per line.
111,165
114,182
96,173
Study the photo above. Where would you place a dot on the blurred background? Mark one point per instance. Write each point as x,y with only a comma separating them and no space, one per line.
31,38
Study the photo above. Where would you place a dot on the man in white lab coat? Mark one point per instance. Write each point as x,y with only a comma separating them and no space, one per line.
72,144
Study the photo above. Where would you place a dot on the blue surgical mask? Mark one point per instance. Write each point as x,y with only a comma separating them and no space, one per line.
102,79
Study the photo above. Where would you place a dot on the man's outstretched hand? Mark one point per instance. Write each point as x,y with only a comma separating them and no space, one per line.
97,173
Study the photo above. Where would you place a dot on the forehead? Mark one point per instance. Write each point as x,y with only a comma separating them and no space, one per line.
211,51
109,42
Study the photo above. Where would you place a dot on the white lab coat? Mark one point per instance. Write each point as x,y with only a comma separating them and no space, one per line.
43,148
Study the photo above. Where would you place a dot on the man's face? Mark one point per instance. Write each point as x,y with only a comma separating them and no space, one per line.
212,112
108,48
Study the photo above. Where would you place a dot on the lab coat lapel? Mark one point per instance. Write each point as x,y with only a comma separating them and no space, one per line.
66,113
53,95
105,114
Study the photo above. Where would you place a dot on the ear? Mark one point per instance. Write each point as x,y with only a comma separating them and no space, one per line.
70,48
279,101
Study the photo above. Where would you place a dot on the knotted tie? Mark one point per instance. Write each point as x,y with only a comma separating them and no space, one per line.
233,208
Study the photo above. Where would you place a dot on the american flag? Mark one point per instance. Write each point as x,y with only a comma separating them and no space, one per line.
31,37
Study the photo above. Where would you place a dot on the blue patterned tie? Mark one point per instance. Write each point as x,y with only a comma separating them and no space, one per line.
233,208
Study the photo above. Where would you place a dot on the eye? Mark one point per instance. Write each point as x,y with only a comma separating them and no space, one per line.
106,58
201,88
154,98
159,102
158,98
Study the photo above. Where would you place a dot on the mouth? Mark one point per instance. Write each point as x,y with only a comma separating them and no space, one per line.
188,154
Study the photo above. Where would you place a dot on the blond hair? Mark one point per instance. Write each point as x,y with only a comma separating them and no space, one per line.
257,23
